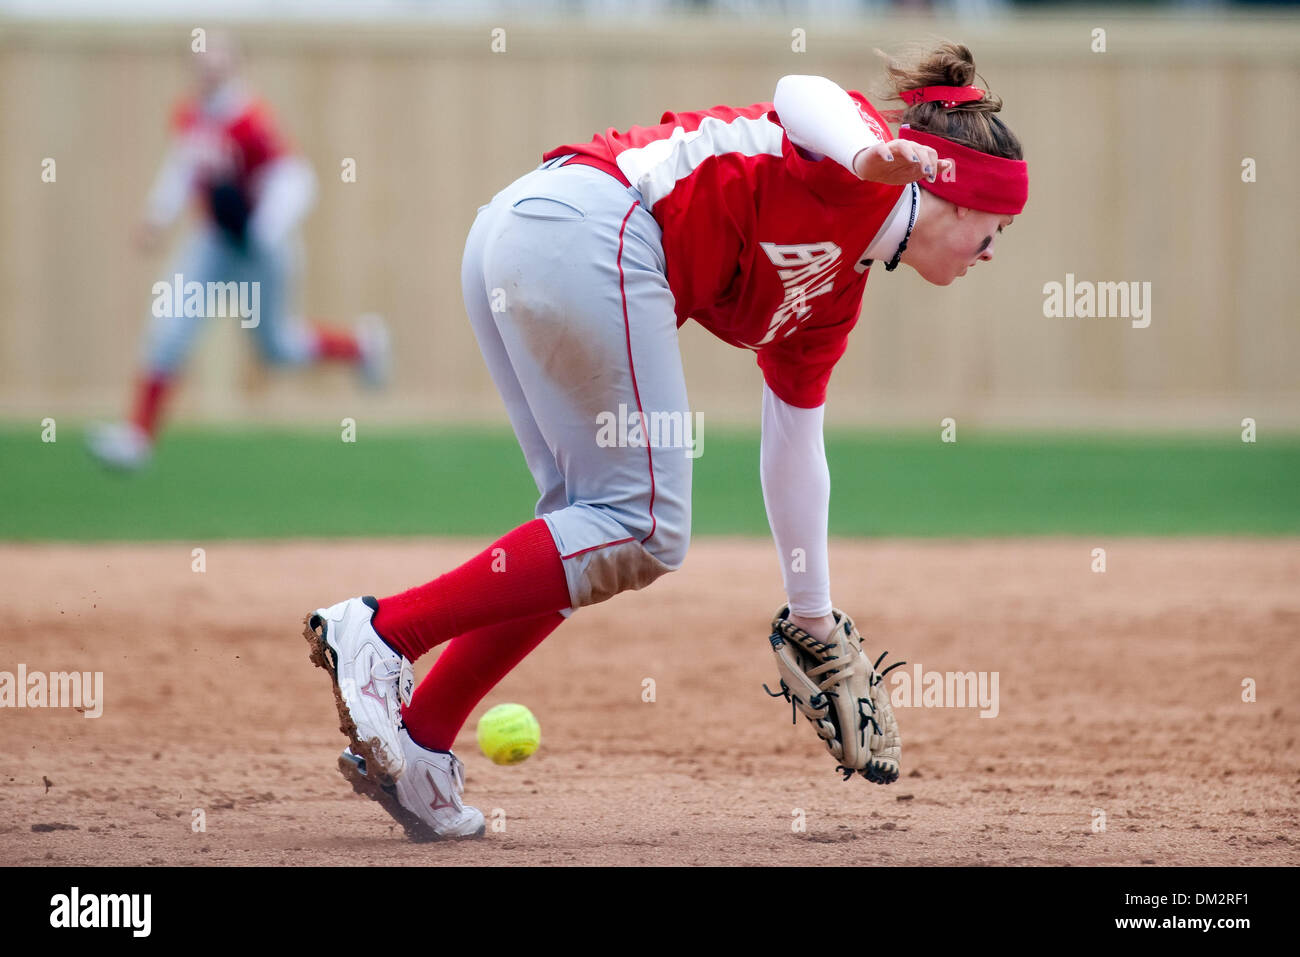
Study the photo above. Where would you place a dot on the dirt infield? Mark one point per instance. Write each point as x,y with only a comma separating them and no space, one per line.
1119,694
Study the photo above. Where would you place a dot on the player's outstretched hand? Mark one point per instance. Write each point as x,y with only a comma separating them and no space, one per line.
836,686
898,162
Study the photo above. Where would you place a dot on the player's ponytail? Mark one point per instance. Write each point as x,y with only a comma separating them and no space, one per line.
973,123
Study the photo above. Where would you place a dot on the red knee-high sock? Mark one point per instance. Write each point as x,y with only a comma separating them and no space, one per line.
148,403
335,344
468,668
518,576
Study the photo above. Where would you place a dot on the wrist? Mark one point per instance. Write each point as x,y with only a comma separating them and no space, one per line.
860,162
819,626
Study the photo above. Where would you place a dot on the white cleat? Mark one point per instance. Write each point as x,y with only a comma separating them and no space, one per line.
426,799
376,347
120,445
371,681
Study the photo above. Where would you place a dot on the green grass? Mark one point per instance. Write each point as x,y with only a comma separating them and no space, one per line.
207,484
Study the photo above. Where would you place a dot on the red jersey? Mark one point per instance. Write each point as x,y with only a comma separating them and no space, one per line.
765,247
228,149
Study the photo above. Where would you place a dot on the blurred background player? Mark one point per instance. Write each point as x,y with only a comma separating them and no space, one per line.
253,193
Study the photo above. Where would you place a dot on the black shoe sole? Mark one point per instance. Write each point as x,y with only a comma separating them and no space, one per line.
353,769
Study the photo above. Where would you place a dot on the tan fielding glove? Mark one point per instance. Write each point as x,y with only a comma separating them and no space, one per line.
836,687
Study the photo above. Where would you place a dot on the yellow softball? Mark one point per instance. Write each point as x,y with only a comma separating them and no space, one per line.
508,733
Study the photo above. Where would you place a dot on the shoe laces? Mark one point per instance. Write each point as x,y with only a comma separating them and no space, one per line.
386,669
388,672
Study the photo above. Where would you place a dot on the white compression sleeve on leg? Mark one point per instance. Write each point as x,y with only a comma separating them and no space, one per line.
797,495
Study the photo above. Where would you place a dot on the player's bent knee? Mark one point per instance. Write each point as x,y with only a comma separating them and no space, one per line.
276,357
669,547
627,566
293,347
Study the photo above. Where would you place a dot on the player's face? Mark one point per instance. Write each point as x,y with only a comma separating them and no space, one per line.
960,238
215,66
976,237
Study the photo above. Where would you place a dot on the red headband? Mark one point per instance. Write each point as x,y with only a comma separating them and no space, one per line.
978,180
949,96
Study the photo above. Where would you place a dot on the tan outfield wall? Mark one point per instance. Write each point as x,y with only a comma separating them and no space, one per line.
1136,176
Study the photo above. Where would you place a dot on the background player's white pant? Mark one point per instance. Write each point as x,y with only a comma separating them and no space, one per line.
208,256
564,283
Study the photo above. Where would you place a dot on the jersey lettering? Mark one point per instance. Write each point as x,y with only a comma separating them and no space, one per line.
806,270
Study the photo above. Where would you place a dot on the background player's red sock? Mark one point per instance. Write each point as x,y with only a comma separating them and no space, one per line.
148,403
468,668
519,575
335,344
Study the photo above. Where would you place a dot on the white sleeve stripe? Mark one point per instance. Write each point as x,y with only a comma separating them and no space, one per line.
656,168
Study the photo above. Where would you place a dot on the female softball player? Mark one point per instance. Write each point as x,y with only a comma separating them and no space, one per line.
761,223
227,153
